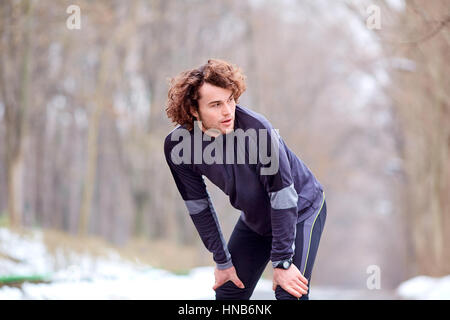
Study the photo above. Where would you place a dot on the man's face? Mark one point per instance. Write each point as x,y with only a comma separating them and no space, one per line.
216,109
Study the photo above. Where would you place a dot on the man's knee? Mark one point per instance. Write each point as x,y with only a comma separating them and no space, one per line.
281,294
229,291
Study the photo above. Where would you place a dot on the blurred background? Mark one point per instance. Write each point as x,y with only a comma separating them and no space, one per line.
359,90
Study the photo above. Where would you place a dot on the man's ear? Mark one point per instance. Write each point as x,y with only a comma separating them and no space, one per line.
194,112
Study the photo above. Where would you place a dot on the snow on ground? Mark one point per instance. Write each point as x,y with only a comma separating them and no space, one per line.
82,276
28,253
425,288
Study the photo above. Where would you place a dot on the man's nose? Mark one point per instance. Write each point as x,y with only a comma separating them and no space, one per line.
227,109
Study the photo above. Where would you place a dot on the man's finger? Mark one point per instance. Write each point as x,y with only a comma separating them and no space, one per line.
301,284
303,279
238,283
293,291
301,290
217,284
295,285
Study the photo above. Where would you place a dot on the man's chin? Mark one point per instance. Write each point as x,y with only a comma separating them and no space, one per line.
220,130
227,131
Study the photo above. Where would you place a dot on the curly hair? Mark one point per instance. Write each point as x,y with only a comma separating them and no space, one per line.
183,92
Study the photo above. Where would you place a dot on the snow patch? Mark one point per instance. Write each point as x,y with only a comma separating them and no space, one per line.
81,276
425,288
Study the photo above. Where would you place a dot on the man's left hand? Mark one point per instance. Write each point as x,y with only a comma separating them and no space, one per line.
290,280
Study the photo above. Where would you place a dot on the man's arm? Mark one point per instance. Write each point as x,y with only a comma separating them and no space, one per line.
192,189
277,180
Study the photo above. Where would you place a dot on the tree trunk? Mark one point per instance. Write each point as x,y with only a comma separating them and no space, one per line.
15,190
16,124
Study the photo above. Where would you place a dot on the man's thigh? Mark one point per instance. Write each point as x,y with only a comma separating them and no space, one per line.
250,254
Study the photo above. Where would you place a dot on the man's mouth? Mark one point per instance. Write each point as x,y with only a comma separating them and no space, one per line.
228,121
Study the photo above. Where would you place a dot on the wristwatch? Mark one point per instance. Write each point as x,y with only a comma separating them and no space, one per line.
284,264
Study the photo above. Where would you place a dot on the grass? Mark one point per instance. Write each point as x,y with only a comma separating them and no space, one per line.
4,219
17,281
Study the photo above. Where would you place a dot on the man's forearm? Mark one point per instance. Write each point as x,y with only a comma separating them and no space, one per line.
284,219
209,230
283,234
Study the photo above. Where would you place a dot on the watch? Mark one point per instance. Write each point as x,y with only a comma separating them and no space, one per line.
284,264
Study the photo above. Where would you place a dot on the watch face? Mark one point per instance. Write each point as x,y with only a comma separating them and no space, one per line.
286,264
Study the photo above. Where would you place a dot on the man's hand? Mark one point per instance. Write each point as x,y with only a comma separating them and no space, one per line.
290,280
223,276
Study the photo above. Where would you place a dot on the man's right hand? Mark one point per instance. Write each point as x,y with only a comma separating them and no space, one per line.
224,275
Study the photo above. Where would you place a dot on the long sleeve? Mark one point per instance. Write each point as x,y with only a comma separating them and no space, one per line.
276,177
192,189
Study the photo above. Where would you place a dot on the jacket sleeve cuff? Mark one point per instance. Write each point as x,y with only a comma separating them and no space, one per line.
276,262
226,265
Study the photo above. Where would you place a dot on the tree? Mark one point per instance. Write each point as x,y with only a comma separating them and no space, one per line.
15,50
418,42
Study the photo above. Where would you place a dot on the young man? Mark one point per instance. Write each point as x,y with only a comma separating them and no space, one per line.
283,209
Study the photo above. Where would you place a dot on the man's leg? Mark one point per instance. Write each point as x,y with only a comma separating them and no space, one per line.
250,253
306,246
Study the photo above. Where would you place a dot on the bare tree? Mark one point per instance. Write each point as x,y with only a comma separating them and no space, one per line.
15,69
418,41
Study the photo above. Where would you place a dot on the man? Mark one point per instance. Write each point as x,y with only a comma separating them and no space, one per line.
283,209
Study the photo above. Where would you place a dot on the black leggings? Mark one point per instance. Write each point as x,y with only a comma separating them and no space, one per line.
250,253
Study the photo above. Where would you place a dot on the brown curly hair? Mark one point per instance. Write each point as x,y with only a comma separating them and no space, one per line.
183,92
